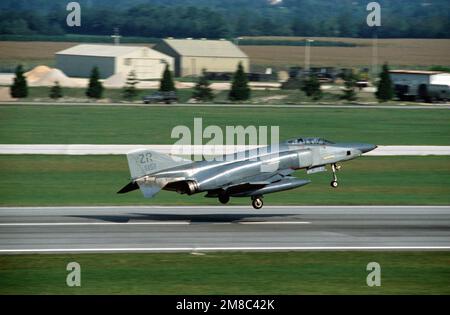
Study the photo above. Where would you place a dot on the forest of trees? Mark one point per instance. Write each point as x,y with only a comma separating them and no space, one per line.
227,18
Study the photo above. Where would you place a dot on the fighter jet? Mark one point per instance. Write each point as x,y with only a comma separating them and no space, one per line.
252,173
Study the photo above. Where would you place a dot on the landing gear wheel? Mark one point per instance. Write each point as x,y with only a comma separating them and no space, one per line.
334,182
224,199
257,203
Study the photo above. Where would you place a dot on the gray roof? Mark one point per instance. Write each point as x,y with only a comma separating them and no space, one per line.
205,48
422,72
108,51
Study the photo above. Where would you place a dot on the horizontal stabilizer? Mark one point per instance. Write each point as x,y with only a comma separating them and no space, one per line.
129,187
148,189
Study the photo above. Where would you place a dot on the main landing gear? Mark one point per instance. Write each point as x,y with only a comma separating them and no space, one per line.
257,202
334,182
224,198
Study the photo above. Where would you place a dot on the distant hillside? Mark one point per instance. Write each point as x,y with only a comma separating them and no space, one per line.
229,18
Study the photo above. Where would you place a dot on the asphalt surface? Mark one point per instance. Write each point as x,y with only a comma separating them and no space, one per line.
342,106
161,229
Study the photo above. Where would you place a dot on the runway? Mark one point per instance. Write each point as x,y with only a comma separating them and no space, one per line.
425,106
222,228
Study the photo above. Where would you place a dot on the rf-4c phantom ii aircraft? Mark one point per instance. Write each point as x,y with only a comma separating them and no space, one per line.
251,173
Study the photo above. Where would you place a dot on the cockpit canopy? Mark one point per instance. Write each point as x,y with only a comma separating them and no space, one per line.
307,141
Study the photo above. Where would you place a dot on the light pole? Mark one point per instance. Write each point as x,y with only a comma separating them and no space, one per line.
116,36
308,54
374,55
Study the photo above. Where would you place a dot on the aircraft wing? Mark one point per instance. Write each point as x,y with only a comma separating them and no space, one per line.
245,187
257,185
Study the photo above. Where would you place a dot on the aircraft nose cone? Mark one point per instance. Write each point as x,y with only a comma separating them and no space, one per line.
366,147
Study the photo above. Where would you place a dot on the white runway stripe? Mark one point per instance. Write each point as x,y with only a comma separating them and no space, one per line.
206,249
200,207
273,222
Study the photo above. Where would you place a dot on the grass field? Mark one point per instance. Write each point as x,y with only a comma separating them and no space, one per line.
229,273
94,180
398,52
153,125
30,54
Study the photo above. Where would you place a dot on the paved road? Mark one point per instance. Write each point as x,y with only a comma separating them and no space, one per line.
148,229
96,149
343,106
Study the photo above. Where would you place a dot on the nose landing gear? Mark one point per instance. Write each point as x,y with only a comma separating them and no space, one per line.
334,182
257,202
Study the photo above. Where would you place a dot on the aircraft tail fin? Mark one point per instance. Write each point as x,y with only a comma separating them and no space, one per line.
144,162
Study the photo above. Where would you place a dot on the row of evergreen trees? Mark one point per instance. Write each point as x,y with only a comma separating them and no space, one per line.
240,90
19,88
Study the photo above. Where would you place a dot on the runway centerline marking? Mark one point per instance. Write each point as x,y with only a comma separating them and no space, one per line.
96,223
146,223
274,222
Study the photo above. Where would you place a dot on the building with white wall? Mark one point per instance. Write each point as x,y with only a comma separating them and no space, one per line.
79,60
193,55
425,85
418,77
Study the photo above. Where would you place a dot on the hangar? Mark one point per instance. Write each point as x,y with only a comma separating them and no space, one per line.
79,60
425,85
193,55
417,77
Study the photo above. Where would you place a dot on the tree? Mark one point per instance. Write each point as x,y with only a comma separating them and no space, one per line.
19,88
202,91
350,80
385,90
219,18
129,92
240,90
311,87
242,25
56,91
167,84
95,87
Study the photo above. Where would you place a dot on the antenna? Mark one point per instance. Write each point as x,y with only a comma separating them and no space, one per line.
116,36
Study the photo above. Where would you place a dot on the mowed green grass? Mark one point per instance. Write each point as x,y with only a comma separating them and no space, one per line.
20,124
228,273
38,180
